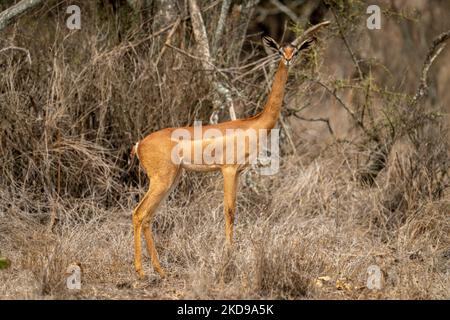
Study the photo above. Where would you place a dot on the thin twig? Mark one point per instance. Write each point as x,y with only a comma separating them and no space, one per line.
288,134
309,32
169,26
9,14
380,153
187,54
220,25
349,48
326,120
204,51
169,37
294,110
338,99
257,67
433,52
245,66
285,9
20,49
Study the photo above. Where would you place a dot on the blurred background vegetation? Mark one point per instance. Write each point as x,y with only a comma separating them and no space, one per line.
365,153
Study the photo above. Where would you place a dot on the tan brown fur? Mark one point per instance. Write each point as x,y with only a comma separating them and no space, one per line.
154,153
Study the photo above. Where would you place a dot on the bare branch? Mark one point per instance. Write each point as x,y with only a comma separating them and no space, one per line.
20,49
166,11
339,100
433,52
207,63
285,9
326,120
169,37
349,48
246,14
170,26
187,54
309,32
288,134
380,153
9,14
221,24
199,29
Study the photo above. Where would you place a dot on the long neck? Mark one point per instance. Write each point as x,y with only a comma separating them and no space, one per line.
269,116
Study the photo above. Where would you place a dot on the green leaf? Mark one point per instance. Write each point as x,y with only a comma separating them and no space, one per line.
4,263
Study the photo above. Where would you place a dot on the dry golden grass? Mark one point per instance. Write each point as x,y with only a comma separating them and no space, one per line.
314,221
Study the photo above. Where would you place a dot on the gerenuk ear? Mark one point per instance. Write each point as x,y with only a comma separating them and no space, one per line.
305,44
270,44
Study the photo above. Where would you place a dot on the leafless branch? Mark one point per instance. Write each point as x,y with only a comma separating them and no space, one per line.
9,14
347,45
309,32
433,52
343,105
285,9
169,37
221,24
20,49
170,26
206,60
380,153
325,120
200,35
288,134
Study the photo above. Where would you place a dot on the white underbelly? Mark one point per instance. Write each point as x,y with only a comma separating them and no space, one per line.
200,167
208,167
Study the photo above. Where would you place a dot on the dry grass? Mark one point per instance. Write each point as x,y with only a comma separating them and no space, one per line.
69,118
317,222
